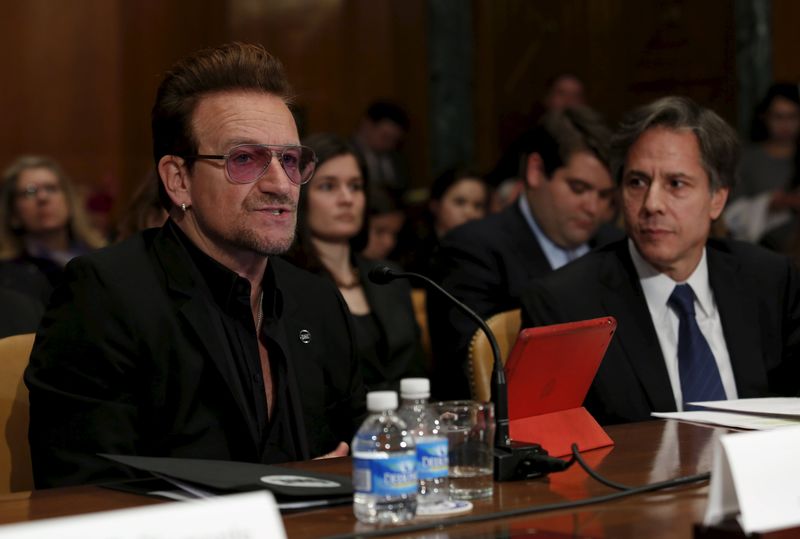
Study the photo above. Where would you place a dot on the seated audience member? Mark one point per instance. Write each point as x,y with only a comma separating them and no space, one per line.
488,263
42,222
331,229
386,217
562,91
194,340
456,197
765,201
698,319
18,313
145,209
377,142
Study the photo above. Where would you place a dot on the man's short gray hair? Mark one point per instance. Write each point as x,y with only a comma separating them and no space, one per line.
718,142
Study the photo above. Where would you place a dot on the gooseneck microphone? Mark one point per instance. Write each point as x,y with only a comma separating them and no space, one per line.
512,460
499,388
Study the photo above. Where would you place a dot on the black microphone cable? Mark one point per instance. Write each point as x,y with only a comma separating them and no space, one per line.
624,492
499,515
553,464
669,483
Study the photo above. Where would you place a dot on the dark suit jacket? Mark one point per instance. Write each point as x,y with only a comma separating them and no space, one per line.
132,358
486,264
391,305
758,298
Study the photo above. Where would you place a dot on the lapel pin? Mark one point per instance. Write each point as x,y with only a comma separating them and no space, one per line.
305,336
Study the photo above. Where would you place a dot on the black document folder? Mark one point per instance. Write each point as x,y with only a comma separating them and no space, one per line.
219,477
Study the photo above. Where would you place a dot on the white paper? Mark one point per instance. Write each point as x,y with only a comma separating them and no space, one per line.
778,406
729,419
757,474
243,516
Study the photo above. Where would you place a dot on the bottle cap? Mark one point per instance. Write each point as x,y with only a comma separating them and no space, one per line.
380,401
415,388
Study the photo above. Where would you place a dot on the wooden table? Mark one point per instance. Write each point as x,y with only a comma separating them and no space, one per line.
644,453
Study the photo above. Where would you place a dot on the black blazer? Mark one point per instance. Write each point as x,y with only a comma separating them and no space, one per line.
757,295
391,305
131,358
486,264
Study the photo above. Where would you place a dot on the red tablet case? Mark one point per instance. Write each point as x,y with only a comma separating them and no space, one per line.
549,373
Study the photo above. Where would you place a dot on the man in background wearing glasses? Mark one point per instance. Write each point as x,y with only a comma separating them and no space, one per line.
195,340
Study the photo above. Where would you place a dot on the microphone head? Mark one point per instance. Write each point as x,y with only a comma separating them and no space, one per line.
381,274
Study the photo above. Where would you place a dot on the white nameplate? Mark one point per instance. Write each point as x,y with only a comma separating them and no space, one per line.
240,516
756,475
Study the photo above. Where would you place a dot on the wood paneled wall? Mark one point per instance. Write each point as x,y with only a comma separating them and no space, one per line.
80,76
786,40
60,90
628,52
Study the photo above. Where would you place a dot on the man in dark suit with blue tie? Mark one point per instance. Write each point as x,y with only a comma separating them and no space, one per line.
698,319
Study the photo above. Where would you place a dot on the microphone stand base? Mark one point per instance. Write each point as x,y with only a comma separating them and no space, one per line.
518,460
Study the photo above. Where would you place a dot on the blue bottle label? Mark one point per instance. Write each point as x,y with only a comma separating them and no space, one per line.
374,473
432,458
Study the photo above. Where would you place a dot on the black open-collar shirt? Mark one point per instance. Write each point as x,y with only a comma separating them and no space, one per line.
231,298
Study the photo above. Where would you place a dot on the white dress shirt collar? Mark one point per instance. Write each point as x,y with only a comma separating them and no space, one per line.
658,287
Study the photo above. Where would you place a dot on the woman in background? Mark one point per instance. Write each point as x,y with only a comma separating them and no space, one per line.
42,222
386,216
332,227
456,196
765,200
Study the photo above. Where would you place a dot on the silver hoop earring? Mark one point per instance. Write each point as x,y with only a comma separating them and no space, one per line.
183,207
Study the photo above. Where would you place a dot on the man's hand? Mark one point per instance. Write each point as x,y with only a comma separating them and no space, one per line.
341,451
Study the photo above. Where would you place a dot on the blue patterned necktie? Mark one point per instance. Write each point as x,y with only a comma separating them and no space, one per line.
700,380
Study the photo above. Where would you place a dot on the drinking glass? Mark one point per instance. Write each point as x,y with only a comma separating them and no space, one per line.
469,426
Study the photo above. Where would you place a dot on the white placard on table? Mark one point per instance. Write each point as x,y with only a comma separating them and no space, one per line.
756,478
244,516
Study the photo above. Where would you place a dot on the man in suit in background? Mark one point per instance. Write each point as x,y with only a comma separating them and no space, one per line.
698,319
193,340
377,140
487,263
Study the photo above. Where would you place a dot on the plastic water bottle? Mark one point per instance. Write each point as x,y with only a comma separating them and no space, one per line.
431,445
384,464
